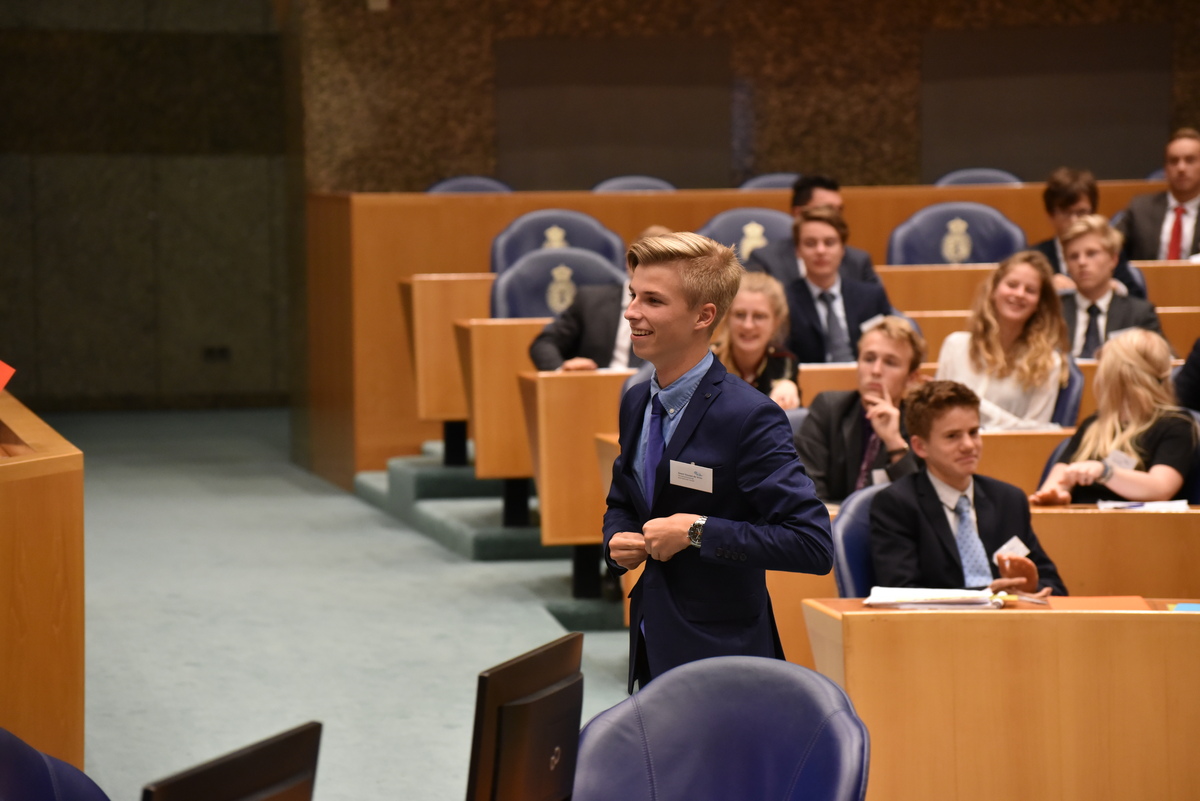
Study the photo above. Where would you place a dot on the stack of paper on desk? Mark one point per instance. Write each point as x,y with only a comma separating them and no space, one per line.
931,598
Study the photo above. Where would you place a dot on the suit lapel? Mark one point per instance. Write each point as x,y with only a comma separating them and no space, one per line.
1118,315
853,432
935,514
706,392
986,518
809,318
1069,314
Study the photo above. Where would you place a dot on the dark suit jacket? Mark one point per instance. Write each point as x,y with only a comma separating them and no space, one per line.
587,328
830,443
1142,226
806,339
1123,312
762,514
1187,380
1122,273
912,544
778,258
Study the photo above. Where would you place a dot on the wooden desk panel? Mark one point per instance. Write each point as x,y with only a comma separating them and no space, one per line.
937,325
1019,457
1011,703
1181,326
1175,283
1123,552
41,585
563,414
818,378
933,287
492,353
431,302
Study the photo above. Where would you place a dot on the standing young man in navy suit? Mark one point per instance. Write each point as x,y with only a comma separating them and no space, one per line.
708,491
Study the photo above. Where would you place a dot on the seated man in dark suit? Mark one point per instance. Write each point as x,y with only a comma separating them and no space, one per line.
1163,225
1093,311
782,258
827,309
591,333
851,437
945,527
1069,195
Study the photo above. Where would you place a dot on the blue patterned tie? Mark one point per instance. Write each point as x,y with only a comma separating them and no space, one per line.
654,447
976,572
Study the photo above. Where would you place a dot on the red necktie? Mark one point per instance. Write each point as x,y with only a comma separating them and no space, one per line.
1176,243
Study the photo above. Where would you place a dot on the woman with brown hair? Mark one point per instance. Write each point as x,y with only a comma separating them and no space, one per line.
1011,354
1138,446
748,339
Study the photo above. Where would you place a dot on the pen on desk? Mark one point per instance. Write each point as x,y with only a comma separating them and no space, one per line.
1032,600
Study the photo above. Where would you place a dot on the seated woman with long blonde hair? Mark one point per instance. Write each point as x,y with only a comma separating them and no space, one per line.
1138,446
1011,354
748,339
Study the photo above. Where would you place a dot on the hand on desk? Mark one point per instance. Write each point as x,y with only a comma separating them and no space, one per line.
1017,573
579,363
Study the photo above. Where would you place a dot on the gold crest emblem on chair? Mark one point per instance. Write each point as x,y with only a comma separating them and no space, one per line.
956,244
561,291
556,237
752,238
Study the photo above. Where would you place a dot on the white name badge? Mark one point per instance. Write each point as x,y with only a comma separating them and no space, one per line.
692,476
1014,547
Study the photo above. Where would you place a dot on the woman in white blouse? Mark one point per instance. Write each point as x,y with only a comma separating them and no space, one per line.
1011,352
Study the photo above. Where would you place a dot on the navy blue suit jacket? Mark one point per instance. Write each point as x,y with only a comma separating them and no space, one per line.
861,300
762,515
912,544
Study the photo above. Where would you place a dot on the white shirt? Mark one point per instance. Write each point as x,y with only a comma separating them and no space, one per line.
620,357
1082,305
1189,226
1004,403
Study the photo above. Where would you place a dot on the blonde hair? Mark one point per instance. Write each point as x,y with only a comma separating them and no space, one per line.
1097,224
900,330
709,273
1133,390
763,284
1045,332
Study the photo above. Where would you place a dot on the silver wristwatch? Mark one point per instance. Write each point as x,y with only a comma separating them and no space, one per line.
696,531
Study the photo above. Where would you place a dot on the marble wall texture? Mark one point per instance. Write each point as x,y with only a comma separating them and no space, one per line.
142,203
396,100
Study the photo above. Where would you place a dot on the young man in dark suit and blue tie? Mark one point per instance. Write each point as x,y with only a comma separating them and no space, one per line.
708,491
944,526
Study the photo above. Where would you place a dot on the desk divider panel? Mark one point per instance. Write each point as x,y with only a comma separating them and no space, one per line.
933,287
431,302
492,353
1171,282
41,585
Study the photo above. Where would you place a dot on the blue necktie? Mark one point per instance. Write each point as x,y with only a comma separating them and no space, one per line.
1091,336
654,447
976,572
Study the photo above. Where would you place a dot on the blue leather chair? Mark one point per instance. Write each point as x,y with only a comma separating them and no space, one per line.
634,183
1066,407
730,727
955,233
469,183
1158,175
977,175
748,228
771,180
853,568
555,228
536,287
1055,455
26,774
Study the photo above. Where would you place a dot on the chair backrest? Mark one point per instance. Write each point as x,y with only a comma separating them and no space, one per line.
747,229
1055,455
1138,277
1158,175
955,233
796,418
26,774
1066,407
723,728
771,180
852,566
543,283
977,175
551,229
634,183
469,183
280,768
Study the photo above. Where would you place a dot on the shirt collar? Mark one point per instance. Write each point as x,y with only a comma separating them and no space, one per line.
676,396
1103,302
816,291
1191,206
948,495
